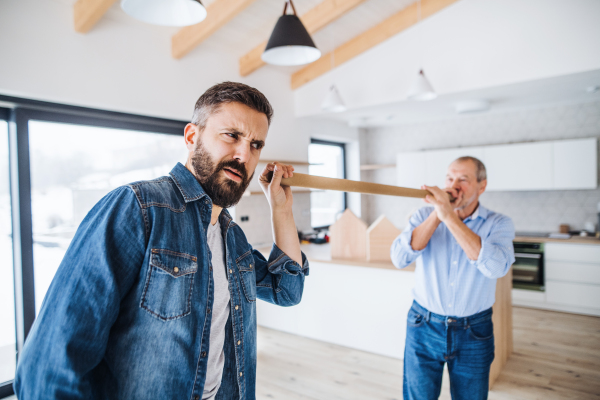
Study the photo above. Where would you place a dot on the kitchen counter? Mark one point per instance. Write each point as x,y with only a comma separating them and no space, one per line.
572,240
322,253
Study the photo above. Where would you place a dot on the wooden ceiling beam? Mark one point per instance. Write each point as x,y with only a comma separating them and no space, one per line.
219,13
379,33
88,12
314,20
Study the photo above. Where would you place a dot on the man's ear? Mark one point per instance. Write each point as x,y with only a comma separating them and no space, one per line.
483,184
190,136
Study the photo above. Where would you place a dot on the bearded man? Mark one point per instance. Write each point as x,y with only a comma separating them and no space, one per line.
156,295
463,248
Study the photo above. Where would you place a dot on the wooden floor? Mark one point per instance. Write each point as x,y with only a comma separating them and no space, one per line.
556,356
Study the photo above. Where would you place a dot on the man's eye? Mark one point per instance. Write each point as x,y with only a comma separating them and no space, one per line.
232,135
257,146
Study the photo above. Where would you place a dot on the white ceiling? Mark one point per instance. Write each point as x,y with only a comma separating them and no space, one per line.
254,24
531,94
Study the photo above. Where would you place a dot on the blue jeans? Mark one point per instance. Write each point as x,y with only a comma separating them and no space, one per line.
466,344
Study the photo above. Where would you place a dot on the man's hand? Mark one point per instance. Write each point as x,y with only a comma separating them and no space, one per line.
279,197
441,201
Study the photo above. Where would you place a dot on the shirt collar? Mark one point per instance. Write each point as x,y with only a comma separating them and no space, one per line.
187,183
480,211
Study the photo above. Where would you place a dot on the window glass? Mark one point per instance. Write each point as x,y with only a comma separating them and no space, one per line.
7,296
74,166
326,160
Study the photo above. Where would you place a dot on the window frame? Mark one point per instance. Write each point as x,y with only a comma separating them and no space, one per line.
18,117
344,172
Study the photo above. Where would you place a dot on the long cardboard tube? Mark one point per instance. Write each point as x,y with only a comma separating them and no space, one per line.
346,185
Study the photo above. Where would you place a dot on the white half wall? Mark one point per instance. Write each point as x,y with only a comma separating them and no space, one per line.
472,44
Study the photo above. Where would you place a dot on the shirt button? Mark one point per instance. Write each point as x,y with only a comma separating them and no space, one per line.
449,305
236,307
203,354
239,342
208,310
176,270
452,284
454,262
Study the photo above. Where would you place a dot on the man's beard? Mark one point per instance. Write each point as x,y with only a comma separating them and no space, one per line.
224,192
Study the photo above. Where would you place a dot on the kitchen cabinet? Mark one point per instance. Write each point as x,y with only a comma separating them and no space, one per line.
572,280
526,166
571,159
553,165
410,169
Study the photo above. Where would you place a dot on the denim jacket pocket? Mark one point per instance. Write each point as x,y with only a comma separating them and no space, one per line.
168,290
246,266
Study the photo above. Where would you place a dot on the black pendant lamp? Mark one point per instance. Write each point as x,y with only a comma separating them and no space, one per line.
290,43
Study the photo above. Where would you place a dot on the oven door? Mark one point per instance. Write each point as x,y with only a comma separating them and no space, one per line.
528,271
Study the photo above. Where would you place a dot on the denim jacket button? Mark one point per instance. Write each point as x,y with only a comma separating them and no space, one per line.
236,307
196,397
176,270
241,374
250,266
208,310
231,271
203,354
239,342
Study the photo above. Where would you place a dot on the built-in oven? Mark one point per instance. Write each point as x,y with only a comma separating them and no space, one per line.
528,269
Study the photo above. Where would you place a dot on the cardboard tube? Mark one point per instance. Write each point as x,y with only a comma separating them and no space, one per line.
346,185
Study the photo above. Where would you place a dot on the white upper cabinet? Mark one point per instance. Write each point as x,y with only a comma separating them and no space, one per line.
526,166
410,169
563,164
576,164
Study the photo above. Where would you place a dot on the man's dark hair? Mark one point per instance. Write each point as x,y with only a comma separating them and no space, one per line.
480,171
229,92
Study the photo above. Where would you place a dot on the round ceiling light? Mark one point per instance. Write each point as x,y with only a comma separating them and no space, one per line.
165,12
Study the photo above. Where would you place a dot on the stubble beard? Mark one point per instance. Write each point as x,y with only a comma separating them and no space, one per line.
223,192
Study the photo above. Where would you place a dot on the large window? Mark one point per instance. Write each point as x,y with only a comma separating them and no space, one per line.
326,159
8,341
74,166
56,162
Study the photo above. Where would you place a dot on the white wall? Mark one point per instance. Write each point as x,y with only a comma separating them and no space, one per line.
472,44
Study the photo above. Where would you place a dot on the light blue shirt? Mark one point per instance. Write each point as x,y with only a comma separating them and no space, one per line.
447,281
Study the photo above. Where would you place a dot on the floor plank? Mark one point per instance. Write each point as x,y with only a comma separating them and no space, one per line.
556,356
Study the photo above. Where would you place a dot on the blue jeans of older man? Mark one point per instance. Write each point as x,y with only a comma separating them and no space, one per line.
466,344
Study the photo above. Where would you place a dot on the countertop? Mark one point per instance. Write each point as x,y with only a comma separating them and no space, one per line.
572,240
322,253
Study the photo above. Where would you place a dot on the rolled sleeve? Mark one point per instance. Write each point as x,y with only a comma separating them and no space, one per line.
497,251
280,280
401,252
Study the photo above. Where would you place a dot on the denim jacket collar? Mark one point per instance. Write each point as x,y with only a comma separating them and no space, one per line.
187,183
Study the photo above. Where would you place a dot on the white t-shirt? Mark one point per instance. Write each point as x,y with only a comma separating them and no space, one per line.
219,314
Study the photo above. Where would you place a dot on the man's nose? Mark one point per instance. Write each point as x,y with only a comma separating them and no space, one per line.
242,152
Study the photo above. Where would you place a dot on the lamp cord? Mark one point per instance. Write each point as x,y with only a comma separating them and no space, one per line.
286,6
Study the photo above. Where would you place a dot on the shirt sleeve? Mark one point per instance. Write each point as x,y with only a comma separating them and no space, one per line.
497,252
280,280
401,251
69,336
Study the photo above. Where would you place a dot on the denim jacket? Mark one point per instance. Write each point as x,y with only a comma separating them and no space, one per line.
128,313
